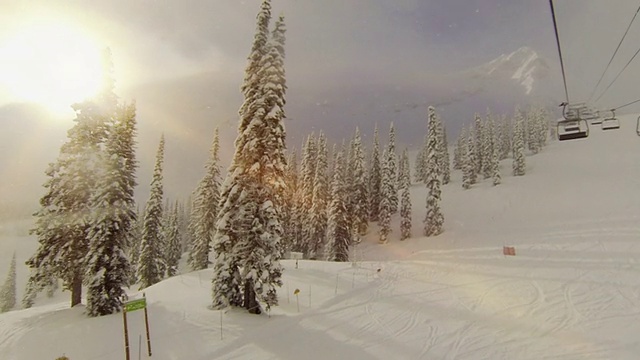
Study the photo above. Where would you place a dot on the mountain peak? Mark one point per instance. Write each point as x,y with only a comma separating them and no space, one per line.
524,66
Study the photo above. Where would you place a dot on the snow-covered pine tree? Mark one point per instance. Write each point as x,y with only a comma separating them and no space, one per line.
248,233
305,193
420,173
393,167
458,153
173,241
443,153
477,144
288,212
375,178
62,223
112,219
386,206
487,146
519,165
150,263
495,165
506,137
359,200
316,224
204,212
405,198
133,251
338,235
434,219
8,290
472,159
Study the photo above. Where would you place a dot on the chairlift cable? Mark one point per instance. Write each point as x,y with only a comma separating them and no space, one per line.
555,28
617,76
627,104
613,56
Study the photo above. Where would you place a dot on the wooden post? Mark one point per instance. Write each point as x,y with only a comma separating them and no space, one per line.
126,334
146,323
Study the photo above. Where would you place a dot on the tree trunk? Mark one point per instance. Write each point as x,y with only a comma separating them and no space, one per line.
250,302
76,290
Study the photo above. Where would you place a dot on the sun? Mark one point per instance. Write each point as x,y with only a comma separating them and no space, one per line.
51,63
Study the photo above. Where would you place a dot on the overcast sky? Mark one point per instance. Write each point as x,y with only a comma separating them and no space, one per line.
331,44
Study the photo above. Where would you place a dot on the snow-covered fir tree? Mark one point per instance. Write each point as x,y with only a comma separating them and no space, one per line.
151,264
248,233
113,217
466,158
519,164
477,144
173,241
505,137
487,146
316,223
458,153
386,206
134,246
375,179
434,219
393,167
420,173
358,188
8,290
305,193
288,212
62,222
204,211
443,153
405,198
495,167
338,234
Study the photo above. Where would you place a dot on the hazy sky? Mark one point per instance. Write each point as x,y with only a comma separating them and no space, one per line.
174,51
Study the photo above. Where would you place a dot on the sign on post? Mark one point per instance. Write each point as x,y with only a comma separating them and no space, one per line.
133,305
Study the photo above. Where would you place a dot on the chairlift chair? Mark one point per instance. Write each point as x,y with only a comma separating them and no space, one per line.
572,126
638,126
612,122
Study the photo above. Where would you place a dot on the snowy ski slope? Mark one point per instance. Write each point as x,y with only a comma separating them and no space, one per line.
572,291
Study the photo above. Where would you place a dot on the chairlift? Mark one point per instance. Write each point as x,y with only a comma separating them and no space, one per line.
572,126
612,122
638,126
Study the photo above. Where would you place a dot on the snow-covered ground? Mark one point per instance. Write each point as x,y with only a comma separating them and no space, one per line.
572,291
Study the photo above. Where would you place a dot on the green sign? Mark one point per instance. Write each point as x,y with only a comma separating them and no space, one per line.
134,305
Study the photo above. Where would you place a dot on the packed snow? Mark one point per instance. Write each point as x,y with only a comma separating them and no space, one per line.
571,292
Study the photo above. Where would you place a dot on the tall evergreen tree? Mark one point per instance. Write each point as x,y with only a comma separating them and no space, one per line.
248,233
134,246
288,213
434,219
63,221
359,200
338,234
421,162
495,167
386,206
316,224
393,167
174,245
113,217
477,143
443,152
151,263
405,198
375,179
204,212
458,154
519,165
8,290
